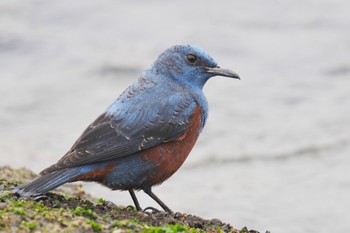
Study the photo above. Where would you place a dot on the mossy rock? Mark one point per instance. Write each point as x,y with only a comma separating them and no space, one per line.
71,210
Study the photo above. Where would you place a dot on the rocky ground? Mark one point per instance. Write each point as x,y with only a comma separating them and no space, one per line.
70,209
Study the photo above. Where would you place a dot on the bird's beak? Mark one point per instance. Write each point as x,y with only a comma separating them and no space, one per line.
222,72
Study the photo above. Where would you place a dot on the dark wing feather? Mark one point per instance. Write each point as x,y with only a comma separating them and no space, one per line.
114,136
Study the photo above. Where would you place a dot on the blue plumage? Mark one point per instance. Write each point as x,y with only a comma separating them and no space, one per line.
145,135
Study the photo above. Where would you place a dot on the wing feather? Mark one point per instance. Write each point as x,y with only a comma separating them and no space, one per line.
129,130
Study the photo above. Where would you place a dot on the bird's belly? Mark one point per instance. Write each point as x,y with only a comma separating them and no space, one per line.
166,159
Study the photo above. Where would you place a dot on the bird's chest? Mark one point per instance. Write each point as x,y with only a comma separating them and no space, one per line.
167,158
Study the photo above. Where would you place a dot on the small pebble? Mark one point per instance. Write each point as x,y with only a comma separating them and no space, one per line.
216,222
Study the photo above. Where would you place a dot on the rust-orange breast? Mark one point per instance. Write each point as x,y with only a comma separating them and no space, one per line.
168,157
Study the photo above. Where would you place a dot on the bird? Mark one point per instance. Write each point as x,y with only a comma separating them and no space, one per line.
146,134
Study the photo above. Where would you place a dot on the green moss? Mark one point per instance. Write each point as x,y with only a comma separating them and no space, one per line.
30,225
16,203
135,225
244,230
132,225
80,211
100,200
9,183
171,229
95,226
19,211
5,195
130,208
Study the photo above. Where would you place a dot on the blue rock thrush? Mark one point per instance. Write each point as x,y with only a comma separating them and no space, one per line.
146,134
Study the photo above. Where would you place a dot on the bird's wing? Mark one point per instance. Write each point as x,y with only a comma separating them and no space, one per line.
130,129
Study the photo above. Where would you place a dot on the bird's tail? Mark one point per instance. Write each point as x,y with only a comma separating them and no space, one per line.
47,182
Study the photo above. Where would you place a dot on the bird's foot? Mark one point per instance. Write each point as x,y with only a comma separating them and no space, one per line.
152,209
40,197
131,207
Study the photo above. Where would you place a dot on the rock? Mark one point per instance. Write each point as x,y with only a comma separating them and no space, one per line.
66,213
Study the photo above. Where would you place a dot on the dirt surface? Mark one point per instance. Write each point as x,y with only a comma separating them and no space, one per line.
70,209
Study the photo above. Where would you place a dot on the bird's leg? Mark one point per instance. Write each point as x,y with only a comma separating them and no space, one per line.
154,197
136,202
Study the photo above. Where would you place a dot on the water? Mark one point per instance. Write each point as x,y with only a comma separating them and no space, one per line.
275,152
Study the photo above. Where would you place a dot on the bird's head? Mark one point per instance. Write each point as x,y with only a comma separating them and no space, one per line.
189,65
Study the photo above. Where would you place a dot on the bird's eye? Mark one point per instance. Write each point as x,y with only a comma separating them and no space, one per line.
191,58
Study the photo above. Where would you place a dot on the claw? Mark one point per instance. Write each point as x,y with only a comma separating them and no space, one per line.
131,207
40,197
154,210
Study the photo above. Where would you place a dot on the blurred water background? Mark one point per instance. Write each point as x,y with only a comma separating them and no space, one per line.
275,152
